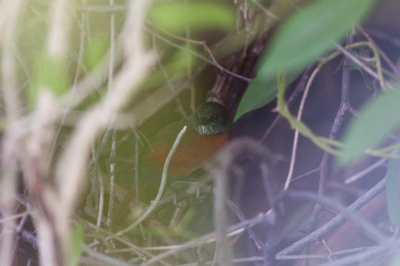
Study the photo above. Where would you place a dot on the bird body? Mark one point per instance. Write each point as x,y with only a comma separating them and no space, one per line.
193,150
207,132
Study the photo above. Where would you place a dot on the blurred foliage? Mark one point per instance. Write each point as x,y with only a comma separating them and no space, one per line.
179,16
76,245
96,49
374,123
302,39
50,74
392,191
172,67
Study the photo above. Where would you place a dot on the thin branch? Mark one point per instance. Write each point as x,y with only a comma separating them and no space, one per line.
265,10
107,260
368,227
265,218
132,247
198,55
361,257
223,252
317,234
299,88
161,188
359,63
224,160
72,165
58,38
365,171
381,52
114,133
337,124
296,134
10,12
240,215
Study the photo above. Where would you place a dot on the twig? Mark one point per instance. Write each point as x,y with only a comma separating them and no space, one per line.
92,81
266,178
171,86
223,252
101,201
58,37
200,56
266,11
362,256
317,234
299,88
79,64
305,174
132,247
381,52
224,160
368,227
360,64
42,196
136,169
343,108
386,37
296,133
114,133
239,214
103,258
12,217
365,171
9,84
8,190
161,188
264,218
10,13
72,165
203,44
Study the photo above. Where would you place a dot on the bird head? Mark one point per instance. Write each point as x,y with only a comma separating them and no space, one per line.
211,119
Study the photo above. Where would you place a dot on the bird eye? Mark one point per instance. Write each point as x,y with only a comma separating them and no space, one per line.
214,117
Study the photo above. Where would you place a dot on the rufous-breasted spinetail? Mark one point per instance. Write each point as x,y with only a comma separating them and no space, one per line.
207,131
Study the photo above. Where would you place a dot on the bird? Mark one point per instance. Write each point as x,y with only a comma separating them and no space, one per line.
208,130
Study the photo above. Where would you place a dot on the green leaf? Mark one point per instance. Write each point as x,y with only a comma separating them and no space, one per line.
76,245
177,16
377,119
311,32
393,191
305,37
50,74
260,92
